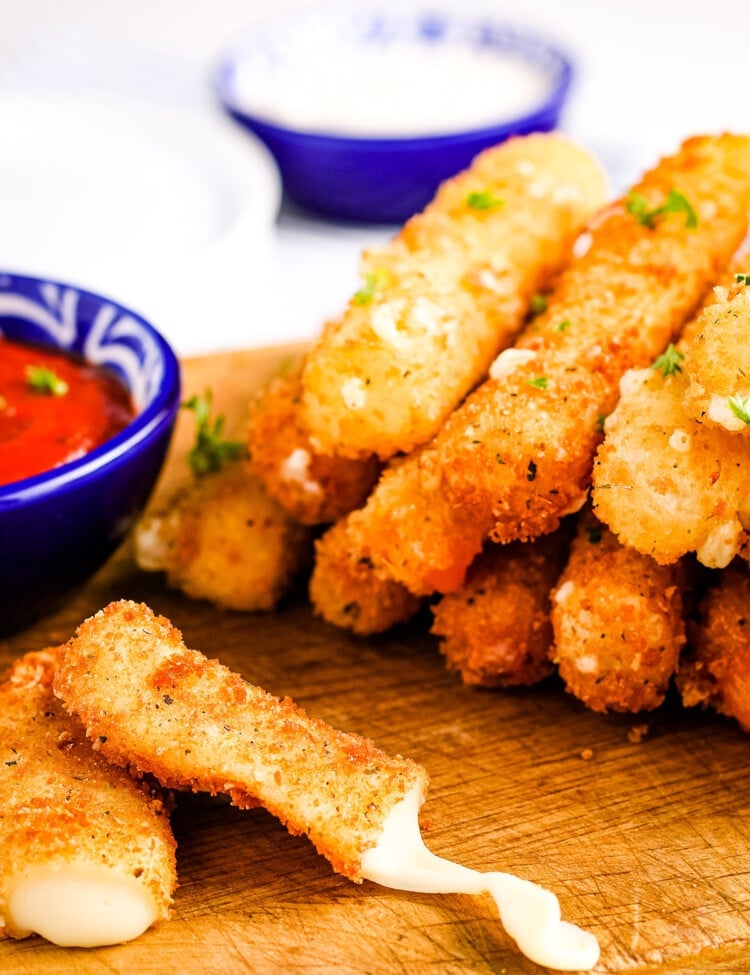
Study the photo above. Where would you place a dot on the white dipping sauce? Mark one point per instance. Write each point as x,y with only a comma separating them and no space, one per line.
529,913
395,90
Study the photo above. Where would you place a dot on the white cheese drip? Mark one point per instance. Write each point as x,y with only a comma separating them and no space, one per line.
529,913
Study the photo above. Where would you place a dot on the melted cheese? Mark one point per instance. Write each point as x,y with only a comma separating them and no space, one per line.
80,905
529,913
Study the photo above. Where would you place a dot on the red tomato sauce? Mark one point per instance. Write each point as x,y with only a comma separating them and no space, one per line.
54,407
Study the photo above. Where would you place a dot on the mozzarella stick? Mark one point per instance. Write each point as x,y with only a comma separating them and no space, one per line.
665,482
522,446
718,363
495,629
148,701
348,591
88,854
223,539
452,287
315,488
618,622
715,672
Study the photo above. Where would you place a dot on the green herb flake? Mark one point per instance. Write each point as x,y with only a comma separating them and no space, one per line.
538,304
668,363
740,406
484,200
374,281
539,383
44,380
742,278
600,421
210,450
676,202
594,533
562,326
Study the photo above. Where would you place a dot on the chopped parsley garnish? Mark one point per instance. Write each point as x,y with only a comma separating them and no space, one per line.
594,533
600,421
484,200
676,202
669,361
540,382
374,281
740,406
210,450
44,380
742,278
538,304
562,326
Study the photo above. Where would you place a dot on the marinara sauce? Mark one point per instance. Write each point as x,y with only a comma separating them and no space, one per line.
54,408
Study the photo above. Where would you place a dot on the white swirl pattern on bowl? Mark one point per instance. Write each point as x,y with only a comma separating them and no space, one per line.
113,339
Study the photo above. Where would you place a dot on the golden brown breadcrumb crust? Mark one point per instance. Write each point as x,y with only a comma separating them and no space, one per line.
149,702
315,488
618,622
451,289
716,670
62,803
496,630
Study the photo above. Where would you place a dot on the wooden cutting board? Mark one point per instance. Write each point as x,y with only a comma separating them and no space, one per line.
646,843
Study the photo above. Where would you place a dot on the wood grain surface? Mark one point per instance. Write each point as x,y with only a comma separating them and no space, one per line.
646,843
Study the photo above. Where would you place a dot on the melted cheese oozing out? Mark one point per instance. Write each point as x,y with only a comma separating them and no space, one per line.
529,913
80,905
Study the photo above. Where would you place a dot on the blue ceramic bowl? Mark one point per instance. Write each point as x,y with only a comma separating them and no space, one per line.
370,177
57,528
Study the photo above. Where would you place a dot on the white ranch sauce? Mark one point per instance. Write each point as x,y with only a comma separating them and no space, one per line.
529,913
399,90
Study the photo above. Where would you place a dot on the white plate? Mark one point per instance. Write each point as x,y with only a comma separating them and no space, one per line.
170,211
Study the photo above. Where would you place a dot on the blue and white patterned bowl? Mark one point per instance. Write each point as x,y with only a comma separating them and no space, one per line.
57,528
366,176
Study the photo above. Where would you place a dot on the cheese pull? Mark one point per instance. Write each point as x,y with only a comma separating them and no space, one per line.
529,913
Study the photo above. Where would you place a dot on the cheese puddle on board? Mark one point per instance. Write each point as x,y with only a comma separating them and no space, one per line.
81,905
529,913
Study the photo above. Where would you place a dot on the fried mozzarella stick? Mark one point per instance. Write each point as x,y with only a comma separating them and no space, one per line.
715,672
223,539
315,488
444,296
346,589
495,629
148,701
618,622
88,854
718,365
522,446
667,483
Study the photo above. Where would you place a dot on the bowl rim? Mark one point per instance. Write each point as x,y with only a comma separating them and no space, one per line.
514,35
117,449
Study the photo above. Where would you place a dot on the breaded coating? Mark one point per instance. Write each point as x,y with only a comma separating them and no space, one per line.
315,488
666,484
522,445
346,589
715,672
67,814
495,630
516,456
445,295
618,622
718,361
149,702
223,539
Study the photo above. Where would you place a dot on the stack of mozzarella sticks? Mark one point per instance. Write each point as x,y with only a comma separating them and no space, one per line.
535,414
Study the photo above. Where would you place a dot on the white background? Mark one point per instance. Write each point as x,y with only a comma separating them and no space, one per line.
649,73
